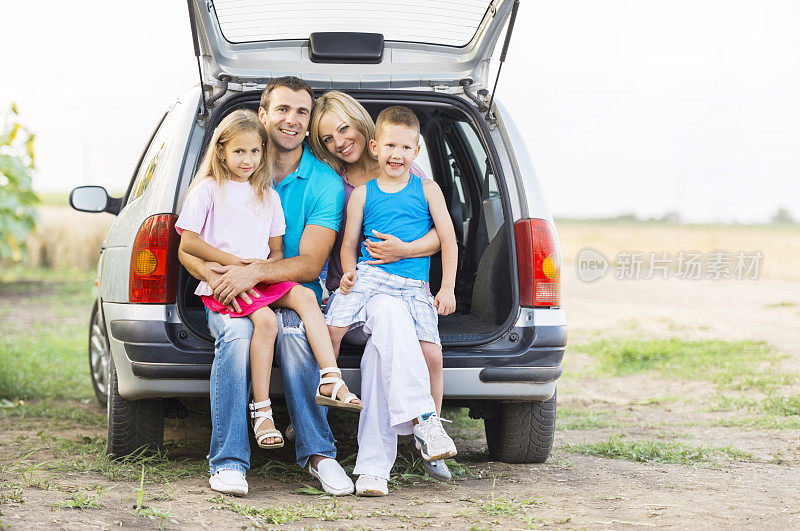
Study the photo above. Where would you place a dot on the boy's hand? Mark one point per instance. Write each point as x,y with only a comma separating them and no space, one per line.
347,282
445,302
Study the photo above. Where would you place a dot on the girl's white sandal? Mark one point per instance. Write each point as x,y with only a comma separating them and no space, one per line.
333,401
260,417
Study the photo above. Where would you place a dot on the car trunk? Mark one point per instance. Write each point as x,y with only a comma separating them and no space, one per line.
456,154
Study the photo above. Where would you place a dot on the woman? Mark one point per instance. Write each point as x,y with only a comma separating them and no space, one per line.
339,133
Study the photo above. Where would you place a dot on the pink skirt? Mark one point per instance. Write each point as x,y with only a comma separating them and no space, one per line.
269,294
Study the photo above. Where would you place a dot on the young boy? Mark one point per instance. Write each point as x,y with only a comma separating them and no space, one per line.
406,206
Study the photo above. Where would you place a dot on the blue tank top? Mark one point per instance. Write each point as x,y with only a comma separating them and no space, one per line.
403,214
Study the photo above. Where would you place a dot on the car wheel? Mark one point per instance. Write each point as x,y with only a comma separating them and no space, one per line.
98,355
133,425
521,432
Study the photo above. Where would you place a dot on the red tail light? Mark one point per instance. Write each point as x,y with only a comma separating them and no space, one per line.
154,261
538,262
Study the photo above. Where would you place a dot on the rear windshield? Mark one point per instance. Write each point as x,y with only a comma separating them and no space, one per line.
445,22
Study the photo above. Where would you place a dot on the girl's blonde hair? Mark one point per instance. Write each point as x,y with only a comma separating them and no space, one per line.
214,167
350,111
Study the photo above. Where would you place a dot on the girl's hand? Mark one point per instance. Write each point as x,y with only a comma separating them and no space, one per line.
347,282
391,249
445,302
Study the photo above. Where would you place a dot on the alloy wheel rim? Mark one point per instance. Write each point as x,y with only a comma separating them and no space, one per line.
98,354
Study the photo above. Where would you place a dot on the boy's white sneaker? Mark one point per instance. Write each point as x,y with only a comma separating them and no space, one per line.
367,485
438,470
431,440
229,481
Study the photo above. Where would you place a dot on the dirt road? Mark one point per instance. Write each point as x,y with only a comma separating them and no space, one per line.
731,468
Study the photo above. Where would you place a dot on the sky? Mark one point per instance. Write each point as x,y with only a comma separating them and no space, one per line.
627,106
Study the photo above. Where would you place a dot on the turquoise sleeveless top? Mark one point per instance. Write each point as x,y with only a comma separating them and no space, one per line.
403,214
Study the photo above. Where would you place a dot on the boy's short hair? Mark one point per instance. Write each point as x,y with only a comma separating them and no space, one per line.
397,115
292,82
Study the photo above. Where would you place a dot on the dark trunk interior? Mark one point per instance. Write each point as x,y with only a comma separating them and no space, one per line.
459,161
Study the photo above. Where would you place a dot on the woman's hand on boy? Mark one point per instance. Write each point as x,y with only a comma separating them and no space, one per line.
391,249
445,302
347,282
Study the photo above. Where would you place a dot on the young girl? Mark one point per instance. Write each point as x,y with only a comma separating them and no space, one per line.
231,216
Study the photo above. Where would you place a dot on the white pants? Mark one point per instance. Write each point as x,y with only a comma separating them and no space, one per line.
395,385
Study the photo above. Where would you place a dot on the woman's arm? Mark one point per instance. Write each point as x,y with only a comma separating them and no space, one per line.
191,244
392,249
350,240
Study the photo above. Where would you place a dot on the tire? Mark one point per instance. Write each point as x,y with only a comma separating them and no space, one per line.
521,432
98,355
133,425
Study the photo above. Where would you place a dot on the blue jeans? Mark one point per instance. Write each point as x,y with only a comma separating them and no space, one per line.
230,391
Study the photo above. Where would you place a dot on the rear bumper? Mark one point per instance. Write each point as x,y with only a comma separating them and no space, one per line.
156,356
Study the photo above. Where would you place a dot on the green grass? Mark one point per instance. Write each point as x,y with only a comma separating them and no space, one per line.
782,304
45,363
53,411
408,467
773,405
328,511
581,419
650,451
755,422
11,493
44,356
81,501
729,364
502,506
463,427
87,455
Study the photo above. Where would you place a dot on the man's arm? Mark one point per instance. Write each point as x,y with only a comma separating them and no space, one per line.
315,246
352,230
202,270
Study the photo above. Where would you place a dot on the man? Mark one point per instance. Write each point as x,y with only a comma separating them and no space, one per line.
312,196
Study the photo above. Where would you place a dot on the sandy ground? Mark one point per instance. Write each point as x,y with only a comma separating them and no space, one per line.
570,491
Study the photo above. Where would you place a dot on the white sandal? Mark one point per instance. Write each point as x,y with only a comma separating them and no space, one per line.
333,400
260,417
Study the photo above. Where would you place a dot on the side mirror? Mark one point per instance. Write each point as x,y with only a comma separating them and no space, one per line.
94,199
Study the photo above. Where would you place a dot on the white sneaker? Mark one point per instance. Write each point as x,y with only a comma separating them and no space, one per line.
229,481
333,477
367,485
431,439
438,470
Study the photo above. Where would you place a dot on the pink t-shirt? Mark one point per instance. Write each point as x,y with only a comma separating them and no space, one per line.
230,218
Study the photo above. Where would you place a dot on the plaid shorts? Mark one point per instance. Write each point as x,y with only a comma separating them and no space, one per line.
351,309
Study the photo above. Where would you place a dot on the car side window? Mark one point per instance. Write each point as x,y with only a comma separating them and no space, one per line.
480,156
150,164
423,160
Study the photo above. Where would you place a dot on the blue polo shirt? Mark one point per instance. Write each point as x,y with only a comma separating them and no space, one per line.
311,195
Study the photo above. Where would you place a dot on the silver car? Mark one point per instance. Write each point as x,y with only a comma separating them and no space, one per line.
149,345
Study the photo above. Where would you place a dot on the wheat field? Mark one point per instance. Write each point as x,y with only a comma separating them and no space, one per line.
778,244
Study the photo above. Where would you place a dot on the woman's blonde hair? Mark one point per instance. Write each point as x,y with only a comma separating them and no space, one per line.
214,167
350,111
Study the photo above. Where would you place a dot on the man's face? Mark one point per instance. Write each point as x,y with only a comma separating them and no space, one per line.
286,120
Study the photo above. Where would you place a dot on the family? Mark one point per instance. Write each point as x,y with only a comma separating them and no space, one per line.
264,214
